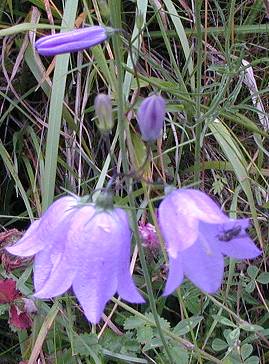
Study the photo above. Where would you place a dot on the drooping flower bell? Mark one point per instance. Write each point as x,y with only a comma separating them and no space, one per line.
84,246
197,235
150,117
72,41
103,111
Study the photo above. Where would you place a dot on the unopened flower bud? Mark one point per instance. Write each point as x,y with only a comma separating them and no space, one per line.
103,110
72,41
150,117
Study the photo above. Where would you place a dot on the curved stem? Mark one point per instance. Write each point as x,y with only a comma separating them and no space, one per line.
117,45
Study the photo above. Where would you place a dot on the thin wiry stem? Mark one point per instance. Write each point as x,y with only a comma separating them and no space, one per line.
116,22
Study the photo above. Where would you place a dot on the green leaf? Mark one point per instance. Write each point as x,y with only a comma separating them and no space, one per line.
144,334
141,156
227,361
246,351
182,37
65,356
233,336
250,327
252,360
250,287
164,323
125,344
185,326
25,27
224,321
87,345
252,271
219,345
136,43
124,358
263,278
133,322
12,170
236,157
156,342
179,355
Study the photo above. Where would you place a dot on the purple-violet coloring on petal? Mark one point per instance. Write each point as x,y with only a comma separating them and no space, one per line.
150,117
71,41
198,235
81,246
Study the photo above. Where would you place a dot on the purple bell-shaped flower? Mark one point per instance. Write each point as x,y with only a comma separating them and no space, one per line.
150,117
83,246
198,235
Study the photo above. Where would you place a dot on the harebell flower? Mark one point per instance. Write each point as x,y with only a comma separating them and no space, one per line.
83,245
197,235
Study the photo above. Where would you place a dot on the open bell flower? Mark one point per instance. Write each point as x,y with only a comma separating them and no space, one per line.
150,117
84,246
72,41
198,235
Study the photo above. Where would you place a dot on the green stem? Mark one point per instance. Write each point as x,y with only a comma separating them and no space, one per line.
181,301
117,45
229,31
199,45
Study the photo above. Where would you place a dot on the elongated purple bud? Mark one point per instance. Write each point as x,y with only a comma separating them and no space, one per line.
72,41
150,117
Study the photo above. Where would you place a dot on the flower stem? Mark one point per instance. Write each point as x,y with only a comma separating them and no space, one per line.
117,45
198,129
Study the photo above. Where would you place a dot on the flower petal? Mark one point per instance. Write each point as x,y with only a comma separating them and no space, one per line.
60,263
59,281
94,286
179,229
240,248
41,232
126,287
71,236
94,243
45,261
175,276
179,215
203,264
199,205
233,240
29,244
